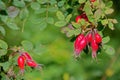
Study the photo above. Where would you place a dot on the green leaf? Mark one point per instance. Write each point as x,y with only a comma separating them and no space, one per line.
60,23
2,52
35,5
52,9
4,18
104,22
109,50
87,8
60,15
109,11
76,25
50,20
3,47
13,11
70,33
3,44
41,10
53,2
2,30
61,3
111,26
2,5
82,1
28,0
106,39
68,17
42,1
77,31
12,26
24,13
37,20
6,66
42,25
114,21
109,4
19,3
27,45
98,14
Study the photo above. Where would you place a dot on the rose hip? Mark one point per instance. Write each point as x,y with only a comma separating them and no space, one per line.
98,38
21,62
77,18
94,47
27,56
89,37
80,44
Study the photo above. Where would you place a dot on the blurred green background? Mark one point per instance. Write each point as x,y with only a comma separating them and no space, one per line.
55,51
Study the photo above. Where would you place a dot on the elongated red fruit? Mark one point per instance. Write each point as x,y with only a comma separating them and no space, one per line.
77,41
98,38
21,62
79,45
27,56
32,63
94,47
77,18
89,37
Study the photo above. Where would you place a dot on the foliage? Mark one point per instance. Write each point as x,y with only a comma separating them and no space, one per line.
34,25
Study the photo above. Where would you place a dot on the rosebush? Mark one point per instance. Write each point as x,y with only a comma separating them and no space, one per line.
48,29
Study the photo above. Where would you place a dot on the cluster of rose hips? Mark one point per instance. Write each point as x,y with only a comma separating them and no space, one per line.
92,38
25,58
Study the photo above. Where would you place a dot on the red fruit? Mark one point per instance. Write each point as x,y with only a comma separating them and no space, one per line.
79,44
77,18
77,41
89,37
94,46
98,38
84,16
21,62
27,56
92,0
32,63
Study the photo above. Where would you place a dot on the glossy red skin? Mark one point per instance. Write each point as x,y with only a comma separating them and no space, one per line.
98,38
79,45
92,0
27,56
32,63
21,62
77,41
77,18
94,47
89,37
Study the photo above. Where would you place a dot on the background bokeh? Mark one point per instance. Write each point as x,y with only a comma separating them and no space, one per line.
55,51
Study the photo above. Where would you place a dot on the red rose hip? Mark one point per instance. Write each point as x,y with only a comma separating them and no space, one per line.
21,63
94,47
98,38
79,45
